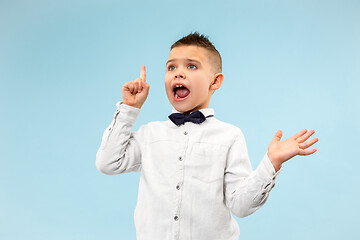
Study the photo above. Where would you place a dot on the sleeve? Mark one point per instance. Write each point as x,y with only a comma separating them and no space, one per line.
246,190
119,151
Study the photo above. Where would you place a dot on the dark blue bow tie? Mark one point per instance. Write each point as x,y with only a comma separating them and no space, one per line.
181,118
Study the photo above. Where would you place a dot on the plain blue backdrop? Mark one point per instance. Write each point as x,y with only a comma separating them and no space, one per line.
288,65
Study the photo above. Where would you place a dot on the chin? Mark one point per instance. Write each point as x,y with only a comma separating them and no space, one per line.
185,109
180,108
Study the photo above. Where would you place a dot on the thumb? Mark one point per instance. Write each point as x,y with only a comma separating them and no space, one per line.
278,135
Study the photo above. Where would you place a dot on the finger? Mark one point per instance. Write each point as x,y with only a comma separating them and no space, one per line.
302,132
304,137
143,73
308,144
307,152
140,85
136,87
146,88
130,87
278,135
144,85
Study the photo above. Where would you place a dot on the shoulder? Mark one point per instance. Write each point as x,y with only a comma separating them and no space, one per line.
227,126
230,131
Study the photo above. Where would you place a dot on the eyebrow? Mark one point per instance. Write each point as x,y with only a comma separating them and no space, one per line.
187,59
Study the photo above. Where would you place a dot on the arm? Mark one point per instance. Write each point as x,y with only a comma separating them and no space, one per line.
246,190
120,151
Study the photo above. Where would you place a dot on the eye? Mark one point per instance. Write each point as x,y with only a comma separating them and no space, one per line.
192,66
171,67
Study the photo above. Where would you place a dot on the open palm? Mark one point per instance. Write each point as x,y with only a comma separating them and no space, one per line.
281,151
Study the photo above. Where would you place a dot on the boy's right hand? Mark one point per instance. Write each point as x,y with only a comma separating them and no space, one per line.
134,93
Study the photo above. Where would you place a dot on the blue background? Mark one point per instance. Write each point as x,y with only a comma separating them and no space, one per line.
288,65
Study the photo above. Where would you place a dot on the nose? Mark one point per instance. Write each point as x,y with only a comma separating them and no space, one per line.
180,75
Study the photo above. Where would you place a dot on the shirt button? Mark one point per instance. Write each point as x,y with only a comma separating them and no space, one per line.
176,218
180,158
185,133
178,187
109,129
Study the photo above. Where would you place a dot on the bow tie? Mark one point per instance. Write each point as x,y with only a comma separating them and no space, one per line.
181,118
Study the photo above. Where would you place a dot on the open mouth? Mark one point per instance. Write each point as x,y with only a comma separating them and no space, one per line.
180,92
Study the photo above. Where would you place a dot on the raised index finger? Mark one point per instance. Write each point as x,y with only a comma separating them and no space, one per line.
143,73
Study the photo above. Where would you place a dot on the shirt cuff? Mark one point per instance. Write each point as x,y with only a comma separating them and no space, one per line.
266,170
126,113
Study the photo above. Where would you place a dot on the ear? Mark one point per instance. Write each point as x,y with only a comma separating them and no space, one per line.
216,84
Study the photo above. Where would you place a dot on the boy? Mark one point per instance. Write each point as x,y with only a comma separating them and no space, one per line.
195,169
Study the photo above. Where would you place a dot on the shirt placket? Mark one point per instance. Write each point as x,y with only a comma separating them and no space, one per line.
180,181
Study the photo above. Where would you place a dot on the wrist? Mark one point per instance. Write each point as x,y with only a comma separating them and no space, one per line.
133,105
276,163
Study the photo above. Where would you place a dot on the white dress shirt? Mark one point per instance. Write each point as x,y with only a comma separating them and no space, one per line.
192,176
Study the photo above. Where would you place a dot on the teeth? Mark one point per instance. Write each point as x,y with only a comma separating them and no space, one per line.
177,86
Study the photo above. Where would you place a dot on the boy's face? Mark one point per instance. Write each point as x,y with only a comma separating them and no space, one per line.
190,78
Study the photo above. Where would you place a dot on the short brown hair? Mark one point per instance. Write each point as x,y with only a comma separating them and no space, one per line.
200,40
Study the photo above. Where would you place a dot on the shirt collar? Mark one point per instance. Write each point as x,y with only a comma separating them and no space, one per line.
206,111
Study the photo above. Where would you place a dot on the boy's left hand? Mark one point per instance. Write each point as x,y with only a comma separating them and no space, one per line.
280,152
